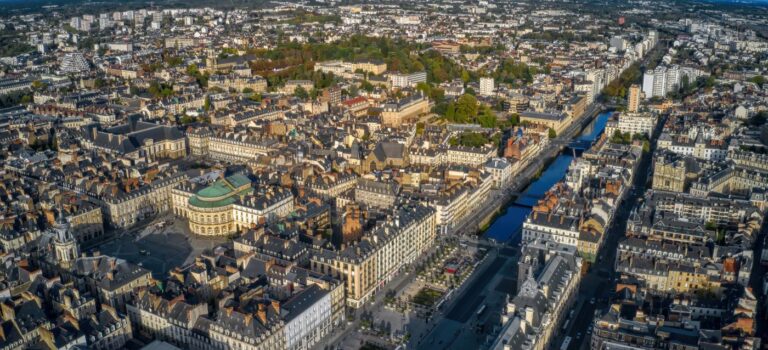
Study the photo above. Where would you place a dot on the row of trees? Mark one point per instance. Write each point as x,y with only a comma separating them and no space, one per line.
618,87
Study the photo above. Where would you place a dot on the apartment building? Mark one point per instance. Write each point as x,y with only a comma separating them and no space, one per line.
376,194
547,289
367,265
395,113
559,228
632,123
470,156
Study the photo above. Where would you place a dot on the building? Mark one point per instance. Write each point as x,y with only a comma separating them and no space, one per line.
672,172
553,227
376,194
631,123
171,320
470,156
501,170
486,86
633,98
395,113
73,63
111,280
237,83
549,278
555,121
125,209
138,140
291,85
400,80
229,204
366,265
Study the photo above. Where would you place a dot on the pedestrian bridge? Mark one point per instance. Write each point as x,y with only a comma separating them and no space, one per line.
575,145
580,145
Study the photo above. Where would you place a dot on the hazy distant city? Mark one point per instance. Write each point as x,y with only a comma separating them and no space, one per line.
383,175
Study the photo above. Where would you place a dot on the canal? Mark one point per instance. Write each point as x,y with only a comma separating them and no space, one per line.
507,226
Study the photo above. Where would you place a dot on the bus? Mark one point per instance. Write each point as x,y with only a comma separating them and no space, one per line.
565,325
566,343
481,310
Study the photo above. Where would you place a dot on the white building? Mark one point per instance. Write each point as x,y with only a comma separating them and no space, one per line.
399,80
632,123
558,228
74,62
308,318
500,170
472,156
486,86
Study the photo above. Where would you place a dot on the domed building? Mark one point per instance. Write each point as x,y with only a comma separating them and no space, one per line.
229,204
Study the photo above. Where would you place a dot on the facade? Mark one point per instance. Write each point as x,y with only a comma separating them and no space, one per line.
237,83
632,123
376,194
558,228
670,173
367,265
229,205
501,170
633,98
228,146
74,62
558,122
172,321
399,80
127,209
396,113
291,86
486,86
470,156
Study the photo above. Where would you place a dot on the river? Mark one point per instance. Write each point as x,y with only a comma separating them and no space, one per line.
507,226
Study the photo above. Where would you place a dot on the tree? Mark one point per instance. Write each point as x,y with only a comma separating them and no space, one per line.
207,104
366,85
247,90
469,139
300,92
466,108
759,80
514,119
39,85
487,118
551,133
465,76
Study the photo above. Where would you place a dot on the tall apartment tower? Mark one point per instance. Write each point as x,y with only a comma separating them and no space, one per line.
633,103
486,86
660,81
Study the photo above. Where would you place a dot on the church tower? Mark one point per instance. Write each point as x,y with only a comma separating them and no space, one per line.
65,246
